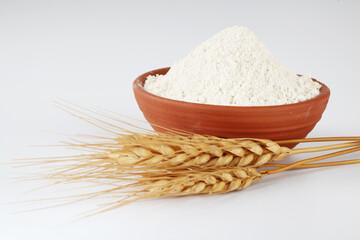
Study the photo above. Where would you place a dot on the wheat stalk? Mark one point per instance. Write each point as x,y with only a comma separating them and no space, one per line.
179,150
140,165
135,184
126,149
165,151
175,152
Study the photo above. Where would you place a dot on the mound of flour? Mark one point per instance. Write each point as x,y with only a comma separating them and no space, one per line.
232,68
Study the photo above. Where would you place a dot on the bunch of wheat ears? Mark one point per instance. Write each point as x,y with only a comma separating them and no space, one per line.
141,164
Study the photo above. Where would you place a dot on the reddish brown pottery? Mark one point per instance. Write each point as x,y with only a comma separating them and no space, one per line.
290,121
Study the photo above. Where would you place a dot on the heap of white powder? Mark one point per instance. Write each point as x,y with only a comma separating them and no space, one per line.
232,68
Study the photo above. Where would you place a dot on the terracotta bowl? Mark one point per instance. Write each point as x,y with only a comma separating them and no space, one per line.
280,122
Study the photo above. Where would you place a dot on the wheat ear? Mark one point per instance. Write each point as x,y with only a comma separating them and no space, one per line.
169,151
133,185
140,165
148,149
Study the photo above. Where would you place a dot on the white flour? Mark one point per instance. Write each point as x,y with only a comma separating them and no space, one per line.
232,68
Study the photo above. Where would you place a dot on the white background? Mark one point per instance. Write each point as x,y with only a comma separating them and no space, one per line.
89,52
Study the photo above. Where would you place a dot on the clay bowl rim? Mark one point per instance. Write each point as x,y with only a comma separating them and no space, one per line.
138,85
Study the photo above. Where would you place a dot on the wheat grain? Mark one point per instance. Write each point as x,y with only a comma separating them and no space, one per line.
136,184
198,182
179,149
165,150
146,165
168,151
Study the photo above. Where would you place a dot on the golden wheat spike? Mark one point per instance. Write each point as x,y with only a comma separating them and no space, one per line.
146,165
178,149
210,182
161,151
193,150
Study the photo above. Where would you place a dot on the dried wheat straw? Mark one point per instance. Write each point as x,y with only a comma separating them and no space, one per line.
130,149
134,184
141,165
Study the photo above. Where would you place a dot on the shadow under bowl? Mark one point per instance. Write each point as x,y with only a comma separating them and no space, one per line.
280,122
